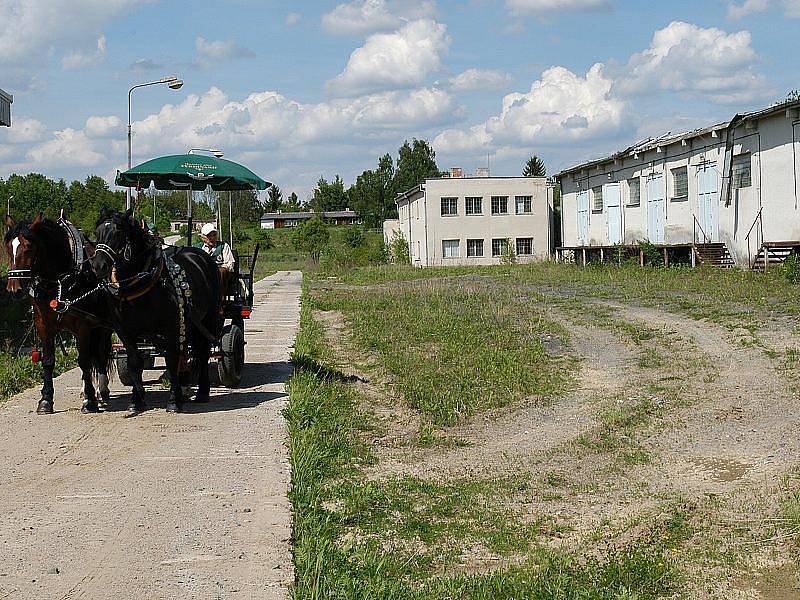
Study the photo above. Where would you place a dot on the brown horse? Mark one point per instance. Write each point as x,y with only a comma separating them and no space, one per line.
42,263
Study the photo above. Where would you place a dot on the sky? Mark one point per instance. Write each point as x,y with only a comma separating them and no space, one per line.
299,90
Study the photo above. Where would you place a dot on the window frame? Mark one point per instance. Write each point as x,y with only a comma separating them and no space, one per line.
517,246
597,195
467,206
638,181
529,199
458,249
502,241
674,197
498,213
481,244
452,202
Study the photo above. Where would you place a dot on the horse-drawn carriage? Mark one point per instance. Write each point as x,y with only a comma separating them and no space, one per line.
152,297
228,350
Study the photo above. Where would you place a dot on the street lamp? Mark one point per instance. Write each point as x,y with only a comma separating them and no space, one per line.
174,84
215,151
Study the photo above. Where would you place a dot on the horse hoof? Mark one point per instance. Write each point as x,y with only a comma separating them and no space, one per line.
90,407
173,407
104,400
202,398
45,407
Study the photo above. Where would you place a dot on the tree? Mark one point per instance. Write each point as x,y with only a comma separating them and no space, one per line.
329,196
274,199
371,196
793,96
534,167
415,163
311,236
294,203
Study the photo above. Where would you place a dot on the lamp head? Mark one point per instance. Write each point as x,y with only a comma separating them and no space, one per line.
176,84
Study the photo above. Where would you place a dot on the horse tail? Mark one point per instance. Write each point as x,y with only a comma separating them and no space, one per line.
102,357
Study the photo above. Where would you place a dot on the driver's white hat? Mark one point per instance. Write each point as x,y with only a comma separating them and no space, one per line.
208,228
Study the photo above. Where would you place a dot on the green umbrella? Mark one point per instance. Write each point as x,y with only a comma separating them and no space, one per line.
192,171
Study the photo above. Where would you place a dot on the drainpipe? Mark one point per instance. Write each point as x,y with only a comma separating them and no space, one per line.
425,196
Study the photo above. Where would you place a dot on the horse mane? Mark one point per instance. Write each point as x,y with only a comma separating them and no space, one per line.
136,232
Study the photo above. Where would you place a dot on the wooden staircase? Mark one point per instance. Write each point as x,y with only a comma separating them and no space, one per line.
714,254
775,254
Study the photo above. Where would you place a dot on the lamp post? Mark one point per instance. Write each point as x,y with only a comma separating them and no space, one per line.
218,154
174,84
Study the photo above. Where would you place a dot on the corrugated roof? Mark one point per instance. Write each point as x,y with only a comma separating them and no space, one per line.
670,138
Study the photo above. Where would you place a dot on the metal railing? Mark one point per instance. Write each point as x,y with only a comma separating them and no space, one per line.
759,236
695,226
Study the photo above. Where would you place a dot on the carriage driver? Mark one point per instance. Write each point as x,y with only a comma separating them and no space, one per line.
219,251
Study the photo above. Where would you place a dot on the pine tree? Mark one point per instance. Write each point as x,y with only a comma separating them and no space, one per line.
534,167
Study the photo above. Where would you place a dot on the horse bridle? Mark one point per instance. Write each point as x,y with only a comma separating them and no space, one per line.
111,253
13,272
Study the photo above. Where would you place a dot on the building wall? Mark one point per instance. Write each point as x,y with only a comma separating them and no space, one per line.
390,228
424,226
774,167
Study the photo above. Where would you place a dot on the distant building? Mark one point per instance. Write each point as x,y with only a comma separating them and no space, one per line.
280,219
5,108
197,224
725,194
476,220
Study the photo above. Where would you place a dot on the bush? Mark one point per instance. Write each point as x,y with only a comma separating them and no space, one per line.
398,249
508,256
353,236
652,255
312,236
791,268
263,238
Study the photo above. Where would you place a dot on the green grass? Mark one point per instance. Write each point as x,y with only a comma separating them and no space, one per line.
454,351
19,373
411,538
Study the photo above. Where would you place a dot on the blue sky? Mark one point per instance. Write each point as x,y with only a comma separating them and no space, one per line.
297,90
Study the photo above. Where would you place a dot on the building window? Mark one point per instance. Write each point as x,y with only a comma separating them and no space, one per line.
680,183
449,207
524,246
474,206
524,205
597,202
499,205
742,171
634,191
499,246
450,248
474,248
290,223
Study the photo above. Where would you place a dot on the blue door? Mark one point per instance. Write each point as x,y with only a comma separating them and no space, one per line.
583,217
708,201
656,208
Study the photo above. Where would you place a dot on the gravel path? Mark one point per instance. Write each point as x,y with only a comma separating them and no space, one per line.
161,506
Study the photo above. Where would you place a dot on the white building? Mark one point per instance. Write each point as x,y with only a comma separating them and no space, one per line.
729,191
471,220
6,100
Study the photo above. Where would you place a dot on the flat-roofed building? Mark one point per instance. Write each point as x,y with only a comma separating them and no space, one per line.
477,220
278,220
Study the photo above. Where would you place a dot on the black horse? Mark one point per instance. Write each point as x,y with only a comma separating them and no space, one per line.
42,258
170,298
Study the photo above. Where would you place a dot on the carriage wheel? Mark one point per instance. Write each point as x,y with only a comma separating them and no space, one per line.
123,372
231,363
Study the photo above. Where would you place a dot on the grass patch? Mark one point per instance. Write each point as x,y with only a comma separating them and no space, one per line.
18,373
454,351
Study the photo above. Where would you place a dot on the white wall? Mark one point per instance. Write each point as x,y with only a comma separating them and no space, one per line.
427,231
774,169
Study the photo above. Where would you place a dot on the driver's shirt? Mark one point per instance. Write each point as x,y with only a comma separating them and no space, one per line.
222,253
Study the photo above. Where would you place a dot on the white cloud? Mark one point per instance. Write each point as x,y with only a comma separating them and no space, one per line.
81,60
293,18
542,7
398,60
68,148
24,131
738,10
686,58
360,17
482,80
39,25
103,127
213,51
561,107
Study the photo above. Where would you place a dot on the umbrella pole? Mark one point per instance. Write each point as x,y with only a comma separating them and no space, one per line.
189,216
230,218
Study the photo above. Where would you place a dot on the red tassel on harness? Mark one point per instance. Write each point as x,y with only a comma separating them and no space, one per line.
35,355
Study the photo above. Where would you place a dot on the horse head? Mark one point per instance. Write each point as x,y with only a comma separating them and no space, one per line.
116,235
23,248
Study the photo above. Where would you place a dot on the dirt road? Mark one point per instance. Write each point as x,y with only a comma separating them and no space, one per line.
192,505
